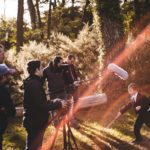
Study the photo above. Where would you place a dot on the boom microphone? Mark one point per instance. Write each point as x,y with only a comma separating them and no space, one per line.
91,100
120,72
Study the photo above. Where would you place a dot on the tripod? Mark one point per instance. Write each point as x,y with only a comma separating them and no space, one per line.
68,137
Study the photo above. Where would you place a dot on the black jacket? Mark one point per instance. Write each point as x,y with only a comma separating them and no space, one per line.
5,102
35,103
69,74
141,100
54,78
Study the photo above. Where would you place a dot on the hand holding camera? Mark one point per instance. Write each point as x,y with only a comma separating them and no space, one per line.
65,103
76,83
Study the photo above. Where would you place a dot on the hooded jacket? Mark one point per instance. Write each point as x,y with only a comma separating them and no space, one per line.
54,76
35,103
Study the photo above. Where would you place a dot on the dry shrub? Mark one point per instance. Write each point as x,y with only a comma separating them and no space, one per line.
85,49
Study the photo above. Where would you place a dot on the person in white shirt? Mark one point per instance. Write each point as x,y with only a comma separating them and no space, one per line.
141,105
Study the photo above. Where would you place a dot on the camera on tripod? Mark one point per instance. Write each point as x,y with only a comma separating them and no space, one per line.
67,108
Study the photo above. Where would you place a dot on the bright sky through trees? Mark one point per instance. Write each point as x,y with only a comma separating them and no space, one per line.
10,7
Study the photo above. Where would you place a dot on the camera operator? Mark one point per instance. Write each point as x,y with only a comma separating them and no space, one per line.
54,75
56,87
6,106
36,106
70,77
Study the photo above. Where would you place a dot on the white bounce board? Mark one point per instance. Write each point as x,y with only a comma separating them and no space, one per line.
91,100
118,71
19,111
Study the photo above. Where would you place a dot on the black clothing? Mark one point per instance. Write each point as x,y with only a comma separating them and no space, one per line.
54,76
35,103
69,74
143,113
140,120
141,100
34,138
36,111
6,103
56,85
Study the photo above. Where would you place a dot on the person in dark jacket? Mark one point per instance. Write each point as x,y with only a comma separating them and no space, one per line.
141,105
70,74
7,108
36,106
53,73
70,77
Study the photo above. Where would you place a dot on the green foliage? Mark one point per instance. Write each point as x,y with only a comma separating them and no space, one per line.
66,20
110,9
86,43
15,136
127,11
8,32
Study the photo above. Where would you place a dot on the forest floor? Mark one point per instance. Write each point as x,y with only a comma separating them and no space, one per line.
90,136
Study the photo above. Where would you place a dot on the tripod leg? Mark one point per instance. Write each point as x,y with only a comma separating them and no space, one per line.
69,142
54,139
73,138
64,136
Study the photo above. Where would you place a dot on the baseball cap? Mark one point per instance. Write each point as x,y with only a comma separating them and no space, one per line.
4,69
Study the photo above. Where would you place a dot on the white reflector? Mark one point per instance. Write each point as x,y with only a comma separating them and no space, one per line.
91,100
118,71
19,111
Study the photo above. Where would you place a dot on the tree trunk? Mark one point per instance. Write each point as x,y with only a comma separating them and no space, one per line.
63,2
38,14
137,10
32,13
111,22
147,3
111,35
54,5
20,24
142,16
73,3
49,20
87,16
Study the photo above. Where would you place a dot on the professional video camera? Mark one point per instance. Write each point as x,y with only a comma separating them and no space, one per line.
65,67
65,110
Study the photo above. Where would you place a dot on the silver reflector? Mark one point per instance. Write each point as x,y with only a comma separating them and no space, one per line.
118,71
91,100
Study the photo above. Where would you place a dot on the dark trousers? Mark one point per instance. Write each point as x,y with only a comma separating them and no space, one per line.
34,138
1,139
140,120
3,126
